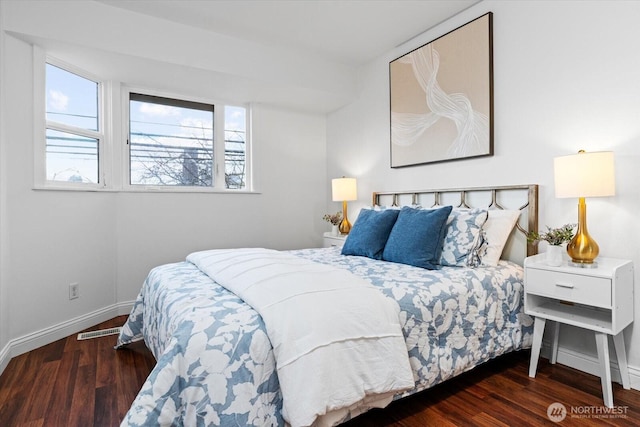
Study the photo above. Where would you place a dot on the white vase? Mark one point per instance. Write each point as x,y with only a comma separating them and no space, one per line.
334,230
554,255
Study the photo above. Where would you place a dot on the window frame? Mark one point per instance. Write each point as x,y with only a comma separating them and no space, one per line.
41,59
126,152
113,133
219,185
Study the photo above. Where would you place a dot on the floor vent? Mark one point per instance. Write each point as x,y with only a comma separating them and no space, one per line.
100,333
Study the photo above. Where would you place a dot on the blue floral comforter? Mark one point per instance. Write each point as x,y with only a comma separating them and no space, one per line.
215,364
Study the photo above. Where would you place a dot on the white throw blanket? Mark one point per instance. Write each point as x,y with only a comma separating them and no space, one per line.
337,340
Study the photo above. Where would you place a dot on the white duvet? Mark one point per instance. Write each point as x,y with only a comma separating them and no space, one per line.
337,340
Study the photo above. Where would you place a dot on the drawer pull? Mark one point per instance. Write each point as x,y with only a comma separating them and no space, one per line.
564,285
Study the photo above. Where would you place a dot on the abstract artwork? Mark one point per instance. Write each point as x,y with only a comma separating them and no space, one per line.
441,98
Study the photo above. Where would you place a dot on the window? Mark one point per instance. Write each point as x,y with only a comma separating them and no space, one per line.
170,142
73,131
94,135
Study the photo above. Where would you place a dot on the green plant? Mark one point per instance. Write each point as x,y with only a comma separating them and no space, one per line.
333,219
553,236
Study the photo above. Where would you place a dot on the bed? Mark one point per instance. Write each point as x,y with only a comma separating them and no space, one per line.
223,345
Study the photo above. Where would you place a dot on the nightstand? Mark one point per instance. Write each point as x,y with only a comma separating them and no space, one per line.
599,299
329,240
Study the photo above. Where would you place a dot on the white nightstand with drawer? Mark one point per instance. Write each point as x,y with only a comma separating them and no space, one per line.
599,299
329,240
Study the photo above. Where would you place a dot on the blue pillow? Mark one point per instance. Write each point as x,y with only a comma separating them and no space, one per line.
369,233
417,236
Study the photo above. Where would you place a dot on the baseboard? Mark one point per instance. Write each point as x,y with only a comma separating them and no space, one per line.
5,357
20,345
590,364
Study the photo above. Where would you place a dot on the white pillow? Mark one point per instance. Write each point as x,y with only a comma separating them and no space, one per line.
496,232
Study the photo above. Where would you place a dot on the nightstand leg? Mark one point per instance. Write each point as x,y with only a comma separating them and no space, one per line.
602,345
554,346
621,354
538,332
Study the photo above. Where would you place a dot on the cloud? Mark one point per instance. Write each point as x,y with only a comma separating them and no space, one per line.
158,110
58,101
197,128
192,122
235,118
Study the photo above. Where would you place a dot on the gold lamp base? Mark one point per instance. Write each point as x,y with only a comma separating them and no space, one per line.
582,249
345,225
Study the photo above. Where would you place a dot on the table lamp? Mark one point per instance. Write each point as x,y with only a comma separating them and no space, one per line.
584,175
344,190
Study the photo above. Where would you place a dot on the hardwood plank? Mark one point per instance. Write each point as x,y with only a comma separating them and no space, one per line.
59,405
483,419
106,406
34,423
10,384
127,378
82,408
106,366
35,405
54,351
26,378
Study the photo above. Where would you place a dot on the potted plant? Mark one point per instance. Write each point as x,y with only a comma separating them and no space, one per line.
334,220
556,238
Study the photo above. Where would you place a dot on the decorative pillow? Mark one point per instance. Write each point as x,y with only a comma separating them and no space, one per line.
497,229
463,238
369,233
416,237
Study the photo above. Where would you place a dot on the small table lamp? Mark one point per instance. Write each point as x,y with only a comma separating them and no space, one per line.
584,175
344,190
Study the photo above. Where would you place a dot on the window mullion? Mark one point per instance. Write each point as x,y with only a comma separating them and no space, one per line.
248,154
219,149
109,159
39,119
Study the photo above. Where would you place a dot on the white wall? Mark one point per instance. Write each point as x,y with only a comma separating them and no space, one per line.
566,78
108,241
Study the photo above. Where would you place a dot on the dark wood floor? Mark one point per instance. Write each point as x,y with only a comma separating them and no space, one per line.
84,383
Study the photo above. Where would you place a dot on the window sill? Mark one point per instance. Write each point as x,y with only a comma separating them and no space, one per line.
141,190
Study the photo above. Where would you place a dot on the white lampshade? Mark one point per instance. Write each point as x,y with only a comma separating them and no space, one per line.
344,189
585,175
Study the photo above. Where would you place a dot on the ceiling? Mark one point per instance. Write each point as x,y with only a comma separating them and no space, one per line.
351,32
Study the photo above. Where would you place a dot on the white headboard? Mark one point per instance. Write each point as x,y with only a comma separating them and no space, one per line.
521,197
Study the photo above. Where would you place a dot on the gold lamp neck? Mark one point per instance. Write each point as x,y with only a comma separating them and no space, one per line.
345,225
582,249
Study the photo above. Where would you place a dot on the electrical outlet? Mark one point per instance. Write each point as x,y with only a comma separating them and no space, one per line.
74,290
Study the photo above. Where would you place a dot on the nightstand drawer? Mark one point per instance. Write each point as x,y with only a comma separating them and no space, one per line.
588,290
330,241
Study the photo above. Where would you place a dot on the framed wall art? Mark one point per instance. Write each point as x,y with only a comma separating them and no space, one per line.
441,98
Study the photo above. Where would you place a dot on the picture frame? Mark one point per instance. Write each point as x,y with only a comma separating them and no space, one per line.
441,97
